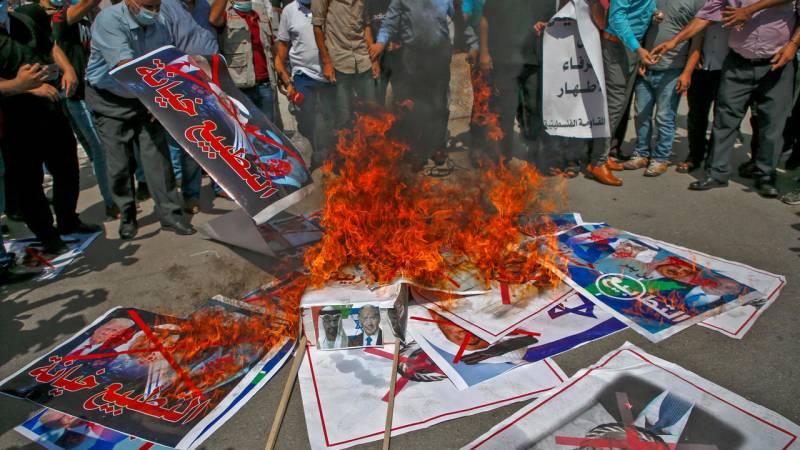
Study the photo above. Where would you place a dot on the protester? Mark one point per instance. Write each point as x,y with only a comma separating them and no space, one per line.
661,86
307,88
509,54
26,39
421,28
122,32
759,69
388,64
339,32
628,21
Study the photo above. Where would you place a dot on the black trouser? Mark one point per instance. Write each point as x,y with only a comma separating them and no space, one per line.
37,133
121,124
425,81
517,94
701,95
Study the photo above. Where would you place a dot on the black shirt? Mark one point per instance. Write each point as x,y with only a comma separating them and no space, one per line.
512,39
374,12
75,41
29,42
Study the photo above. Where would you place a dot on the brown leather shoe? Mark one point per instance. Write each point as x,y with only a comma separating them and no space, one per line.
613,164
603,175
637,162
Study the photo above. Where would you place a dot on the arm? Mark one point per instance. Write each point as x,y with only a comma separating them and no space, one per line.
218,15
485,58
732,17
69,80
319,12
79,11
695,26
695,52
188,36
376,67
599,15
786,54
618,23
389,29
280,66
28,77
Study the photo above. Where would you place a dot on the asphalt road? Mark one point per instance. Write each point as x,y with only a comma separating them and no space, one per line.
165,272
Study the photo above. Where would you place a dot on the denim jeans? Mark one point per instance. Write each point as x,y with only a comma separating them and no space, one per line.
81,120
350,89
656,89
263,97
5,258
186,169
315,115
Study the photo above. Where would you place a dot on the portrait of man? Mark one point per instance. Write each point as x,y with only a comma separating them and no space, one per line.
332,334
371,335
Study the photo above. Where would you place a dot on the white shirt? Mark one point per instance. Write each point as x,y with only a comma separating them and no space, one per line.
296,29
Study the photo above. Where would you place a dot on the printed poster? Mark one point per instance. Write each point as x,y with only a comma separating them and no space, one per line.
199,105
30,254
331,382
573,81
655,291
132,372
630,399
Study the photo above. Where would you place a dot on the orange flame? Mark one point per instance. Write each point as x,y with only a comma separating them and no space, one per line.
481,113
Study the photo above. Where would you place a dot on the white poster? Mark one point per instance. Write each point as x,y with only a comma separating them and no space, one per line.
630,399
573,82
345,393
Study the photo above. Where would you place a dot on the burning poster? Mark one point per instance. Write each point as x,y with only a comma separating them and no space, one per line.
55,430
655,291
330,381
468,360
167,380
197,102
630,399
539,223
736,322
29,253
351,326
574,102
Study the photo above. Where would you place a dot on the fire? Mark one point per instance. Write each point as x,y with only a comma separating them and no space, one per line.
392,223
481,113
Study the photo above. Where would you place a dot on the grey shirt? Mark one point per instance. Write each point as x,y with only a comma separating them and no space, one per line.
677,14
343,24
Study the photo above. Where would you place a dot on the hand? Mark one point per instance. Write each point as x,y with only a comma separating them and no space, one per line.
486,62
375,50
662,48
642,70
733,17
472,57
645,56
290,91
376,70
539,28
684,82
46,91
328,72
784,56
658,17
31,76
69,82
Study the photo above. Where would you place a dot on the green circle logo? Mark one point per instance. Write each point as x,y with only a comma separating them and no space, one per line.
620,286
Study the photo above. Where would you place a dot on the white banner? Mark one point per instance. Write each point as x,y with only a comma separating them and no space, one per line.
573,82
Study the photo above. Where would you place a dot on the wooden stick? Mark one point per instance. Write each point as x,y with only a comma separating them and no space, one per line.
387,432
287,392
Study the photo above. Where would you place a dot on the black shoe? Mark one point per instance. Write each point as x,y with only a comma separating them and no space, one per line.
750,170
766,187
794,160
142,192
708,183
112,213
179,228
128,230
54,246
78,227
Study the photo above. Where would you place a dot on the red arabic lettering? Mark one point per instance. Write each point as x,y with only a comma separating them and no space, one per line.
147,74
175,101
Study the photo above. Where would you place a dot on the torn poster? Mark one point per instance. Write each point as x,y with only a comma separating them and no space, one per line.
330,381
55,430
653,290
738,321
141,373
199,105
29,253
468,360
630,399
538,223
573,81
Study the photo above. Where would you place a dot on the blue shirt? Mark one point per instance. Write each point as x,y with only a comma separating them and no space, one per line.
473,9
629,20
116,36
200,14
420,23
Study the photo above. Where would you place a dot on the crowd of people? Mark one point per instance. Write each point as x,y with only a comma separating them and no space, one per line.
331,57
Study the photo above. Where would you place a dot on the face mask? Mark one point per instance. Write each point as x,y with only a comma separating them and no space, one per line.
57,3
243,6
146,17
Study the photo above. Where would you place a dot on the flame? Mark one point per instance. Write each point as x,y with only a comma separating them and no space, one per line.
391,223
481,112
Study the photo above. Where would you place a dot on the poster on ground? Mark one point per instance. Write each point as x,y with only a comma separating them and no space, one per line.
149,375
196,100
331,382
630,399
30,253
653,290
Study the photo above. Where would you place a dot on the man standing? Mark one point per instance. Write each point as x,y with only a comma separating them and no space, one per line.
420,26
26,147
628,21
121,33
339,32
759,70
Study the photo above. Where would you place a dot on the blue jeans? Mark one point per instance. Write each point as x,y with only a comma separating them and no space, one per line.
315,115
186,169
5,258
656,89
83,125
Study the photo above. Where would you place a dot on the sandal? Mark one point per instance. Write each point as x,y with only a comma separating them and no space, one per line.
685,167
